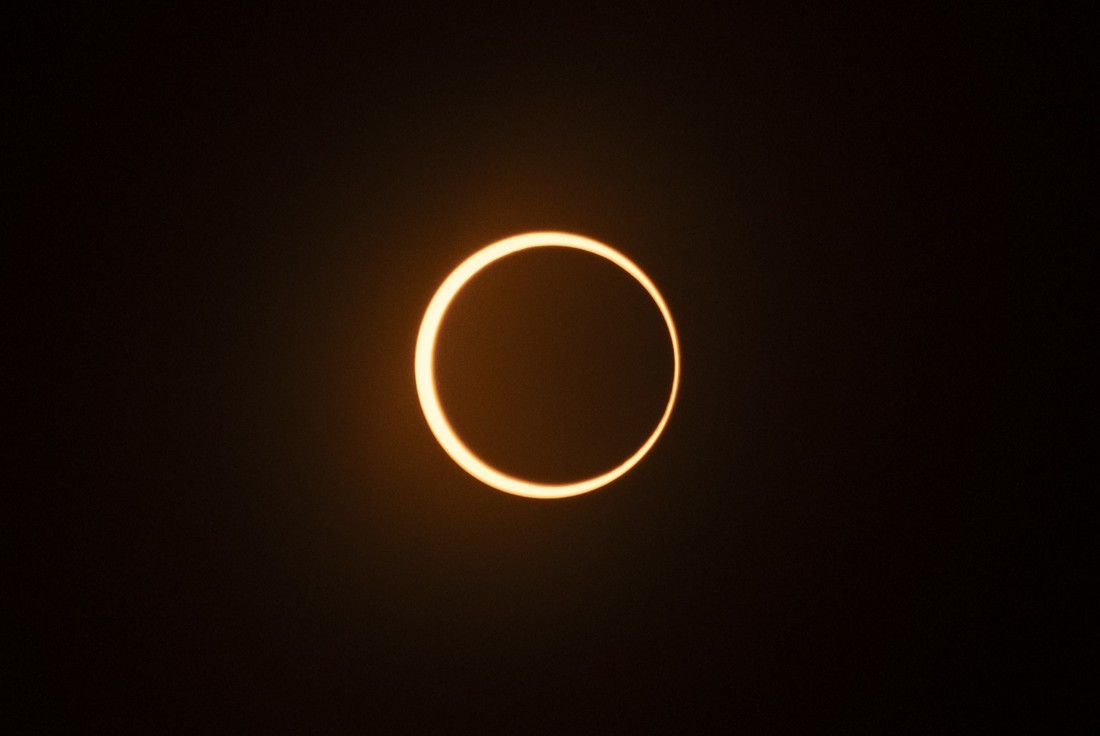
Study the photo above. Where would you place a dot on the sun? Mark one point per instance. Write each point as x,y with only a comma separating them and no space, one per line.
425,358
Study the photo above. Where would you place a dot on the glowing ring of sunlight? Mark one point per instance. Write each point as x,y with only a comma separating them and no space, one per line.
425,358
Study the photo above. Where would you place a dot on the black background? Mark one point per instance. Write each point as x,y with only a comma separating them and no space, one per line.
227,227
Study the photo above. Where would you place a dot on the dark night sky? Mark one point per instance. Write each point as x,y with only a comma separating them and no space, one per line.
228,226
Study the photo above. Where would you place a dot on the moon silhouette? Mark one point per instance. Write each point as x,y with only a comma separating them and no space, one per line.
425,357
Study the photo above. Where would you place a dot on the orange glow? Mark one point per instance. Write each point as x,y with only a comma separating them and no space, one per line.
425,357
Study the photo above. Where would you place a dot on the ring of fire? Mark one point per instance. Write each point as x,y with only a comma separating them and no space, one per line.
425,357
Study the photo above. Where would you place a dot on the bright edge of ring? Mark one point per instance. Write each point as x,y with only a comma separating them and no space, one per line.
425,370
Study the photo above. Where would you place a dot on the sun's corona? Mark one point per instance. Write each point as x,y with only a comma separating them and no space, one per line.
425,368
